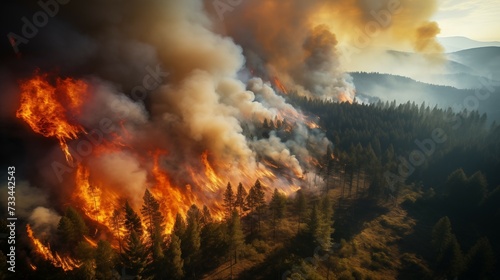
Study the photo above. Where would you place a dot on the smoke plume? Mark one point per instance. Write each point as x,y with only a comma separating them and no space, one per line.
176,101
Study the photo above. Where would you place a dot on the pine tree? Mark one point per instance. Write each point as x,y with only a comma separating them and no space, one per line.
326,229
300,207
135,256
250,199
179,226
236,238
259,199
78,222
154,224
66,231
86,254
250,202
117,221
206,217
105,261
480,260
277,207
314,223
449,257
71,228
191,241
152,216
477,188
229,200
441,236
452,262
213,245
132,221
240,198
173,255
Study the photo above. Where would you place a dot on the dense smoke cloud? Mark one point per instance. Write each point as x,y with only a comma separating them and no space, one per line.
168,80
298,41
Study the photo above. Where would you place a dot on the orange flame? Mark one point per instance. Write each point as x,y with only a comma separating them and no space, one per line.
279,85
172,199
48,109
96,202
90,241
66,263
215,182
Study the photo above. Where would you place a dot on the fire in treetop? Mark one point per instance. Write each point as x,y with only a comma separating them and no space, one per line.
49,109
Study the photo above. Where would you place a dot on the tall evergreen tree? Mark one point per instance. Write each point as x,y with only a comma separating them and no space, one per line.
87,256
206,217
190,244
236,238
135,257
480,260
441,236
66,231
117,221
326,229
229,200
449,257
314,223
241,194
259,200
132,220
105,261
179,226
251,204
300,207
78,222
173,255
152,216
452,262
277,206
154,224
71,228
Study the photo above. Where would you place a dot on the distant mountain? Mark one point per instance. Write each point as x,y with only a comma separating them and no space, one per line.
458,43
386,87
484,61
464,69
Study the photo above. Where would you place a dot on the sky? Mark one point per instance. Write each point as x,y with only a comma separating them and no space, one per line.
475,19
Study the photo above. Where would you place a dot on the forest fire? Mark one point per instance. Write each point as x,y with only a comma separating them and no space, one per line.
66,263
49,109
96,201
56,111
226,140
280,85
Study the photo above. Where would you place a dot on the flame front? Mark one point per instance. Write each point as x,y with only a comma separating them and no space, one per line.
66,263
49,109
280,85
96,201
200,180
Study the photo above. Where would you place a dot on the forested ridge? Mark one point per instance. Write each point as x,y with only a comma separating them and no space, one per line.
384,211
